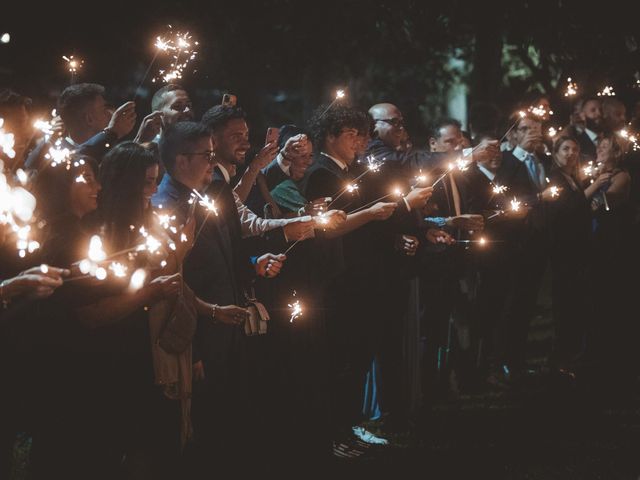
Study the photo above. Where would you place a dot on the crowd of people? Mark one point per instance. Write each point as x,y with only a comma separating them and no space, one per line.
191,310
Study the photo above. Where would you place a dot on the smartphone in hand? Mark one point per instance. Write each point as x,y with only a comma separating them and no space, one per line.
272,135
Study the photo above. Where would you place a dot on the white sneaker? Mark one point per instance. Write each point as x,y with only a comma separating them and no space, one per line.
368,437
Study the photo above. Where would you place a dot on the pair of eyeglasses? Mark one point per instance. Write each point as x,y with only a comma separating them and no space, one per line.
210,155
181,108
394,122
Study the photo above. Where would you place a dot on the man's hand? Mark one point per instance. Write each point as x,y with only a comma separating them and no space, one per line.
231,314
57,125
469,222
265,156
408,244
436,236
123,119
149,128
197,370
418,197
269,265
296,146
37,282
381,210
330,220
486,150
550,193
299,230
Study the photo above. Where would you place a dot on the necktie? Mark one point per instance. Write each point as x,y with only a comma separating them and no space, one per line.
534,170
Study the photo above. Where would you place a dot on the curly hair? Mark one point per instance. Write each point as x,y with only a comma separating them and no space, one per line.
333,120
120,204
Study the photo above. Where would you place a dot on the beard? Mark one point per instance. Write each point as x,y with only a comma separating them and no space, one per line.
594,125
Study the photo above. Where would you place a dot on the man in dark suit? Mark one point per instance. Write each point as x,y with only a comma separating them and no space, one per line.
530,184
591,115
217,269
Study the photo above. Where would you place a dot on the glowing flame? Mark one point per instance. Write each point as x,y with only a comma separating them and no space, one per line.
137,279
515,205
499,189
118,269
96,253
607,92
296,309
572,88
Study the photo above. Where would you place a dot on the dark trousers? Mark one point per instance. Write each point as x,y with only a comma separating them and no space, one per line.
530,264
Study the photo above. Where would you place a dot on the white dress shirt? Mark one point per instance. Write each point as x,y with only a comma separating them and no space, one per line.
252,225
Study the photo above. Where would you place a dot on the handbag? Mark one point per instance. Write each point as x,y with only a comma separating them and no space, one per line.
256,324
179,329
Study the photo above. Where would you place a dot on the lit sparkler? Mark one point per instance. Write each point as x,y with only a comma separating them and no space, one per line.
607,92
572,88
16,213
515,205
296,308
182,49
7,141
73,65
340,94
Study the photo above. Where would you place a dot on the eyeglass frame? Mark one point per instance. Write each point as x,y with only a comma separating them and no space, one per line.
211,154
394,122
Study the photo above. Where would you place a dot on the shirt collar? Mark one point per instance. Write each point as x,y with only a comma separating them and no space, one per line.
487,173
71,142
520,153
225,173
343,166
593,136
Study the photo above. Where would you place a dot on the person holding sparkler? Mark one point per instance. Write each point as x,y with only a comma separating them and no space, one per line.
569,218
230,135
170,104
218,269
91,125
14,110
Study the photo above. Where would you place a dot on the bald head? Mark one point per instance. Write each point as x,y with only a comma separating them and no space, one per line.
389,124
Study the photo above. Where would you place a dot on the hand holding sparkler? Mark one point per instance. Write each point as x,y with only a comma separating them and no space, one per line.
407,244
437,236
418,197
163,287
150,127
37,282
269,265
231,314
331,220
123,120
300,230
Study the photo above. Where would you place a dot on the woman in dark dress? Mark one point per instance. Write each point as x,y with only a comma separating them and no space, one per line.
570,231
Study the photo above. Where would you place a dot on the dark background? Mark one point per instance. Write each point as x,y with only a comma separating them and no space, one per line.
283,57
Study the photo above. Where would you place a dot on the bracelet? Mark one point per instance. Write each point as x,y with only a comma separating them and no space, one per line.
214,308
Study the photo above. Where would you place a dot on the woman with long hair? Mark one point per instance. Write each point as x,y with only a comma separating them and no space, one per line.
570,231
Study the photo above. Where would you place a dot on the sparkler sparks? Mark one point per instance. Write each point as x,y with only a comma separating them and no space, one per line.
182,48
340,94
555,191
204,201
607,92
16,212
296,309
515,205
499,189
572,88
73,65
7,141
119,270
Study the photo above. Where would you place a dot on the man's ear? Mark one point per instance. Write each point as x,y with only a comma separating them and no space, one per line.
181,163
432,143
88,118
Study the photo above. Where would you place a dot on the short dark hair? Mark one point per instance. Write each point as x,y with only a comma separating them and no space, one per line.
286,132
74,99
157,100
327,121
180,138
216,118
444,122
10,98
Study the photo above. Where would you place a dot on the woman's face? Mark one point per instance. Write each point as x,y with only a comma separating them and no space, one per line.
150,184
567,154
604,150
300,163
83,195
